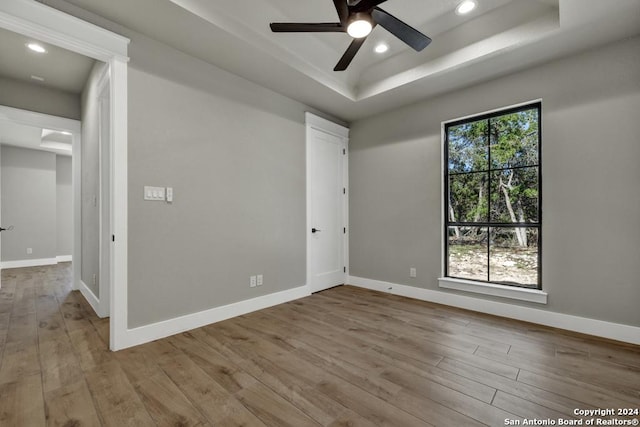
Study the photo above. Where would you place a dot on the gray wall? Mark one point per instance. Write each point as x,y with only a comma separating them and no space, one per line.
234,154
34,97
90,190
64,206
28,203
591,177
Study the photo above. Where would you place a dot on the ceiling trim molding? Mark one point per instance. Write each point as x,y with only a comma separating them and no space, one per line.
34,19
246,33
31,118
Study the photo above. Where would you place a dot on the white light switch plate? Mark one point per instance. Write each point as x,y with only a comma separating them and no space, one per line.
154,193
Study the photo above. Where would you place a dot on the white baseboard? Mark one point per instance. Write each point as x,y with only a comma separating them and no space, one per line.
600,328
91,298
147,333
28,263
64,258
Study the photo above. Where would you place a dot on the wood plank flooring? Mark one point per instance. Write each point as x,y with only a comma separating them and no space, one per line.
342,357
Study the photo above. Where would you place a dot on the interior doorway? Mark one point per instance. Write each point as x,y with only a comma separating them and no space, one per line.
327,203
43,23
38,189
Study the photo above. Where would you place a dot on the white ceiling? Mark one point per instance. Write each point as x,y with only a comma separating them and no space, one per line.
500,37
60,68
35,138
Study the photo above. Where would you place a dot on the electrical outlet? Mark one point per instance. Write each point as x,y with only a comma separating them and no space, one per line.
412,272
252,281
29,251
95,279
260,281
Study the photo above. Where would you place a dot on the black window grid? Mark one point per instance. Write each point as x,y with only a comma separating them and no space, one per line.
488,224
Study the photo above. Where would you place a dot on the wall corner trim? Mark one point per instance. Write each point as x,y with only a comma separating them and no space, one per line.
584,325
165,328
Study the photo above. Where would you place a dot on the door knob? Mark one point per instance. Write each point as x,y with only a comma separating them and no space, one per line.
315,230
9,228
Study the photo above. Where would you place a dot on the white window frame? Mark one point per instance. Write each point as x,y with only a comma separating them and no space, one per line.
472,286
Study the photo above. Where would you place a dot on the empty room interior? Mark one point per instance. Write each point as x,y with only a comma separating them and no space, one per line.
316,213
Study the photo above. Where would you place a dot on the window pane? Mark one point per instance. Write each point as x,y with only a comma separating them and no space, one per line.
514,140
514,256
514,195
468,147
468,197
468,253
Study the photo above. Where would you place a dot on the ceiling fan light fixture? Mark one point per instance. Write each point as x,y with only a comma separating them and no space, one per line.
360,25
466,6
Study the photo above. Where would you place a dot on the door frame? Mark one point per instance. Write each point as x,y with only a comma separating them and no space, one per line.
105,214
34,19
313,121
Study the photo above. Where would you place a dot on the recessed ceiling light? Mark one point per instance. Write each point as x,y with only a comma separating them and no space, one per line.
466,6
38,78
36,48
381,48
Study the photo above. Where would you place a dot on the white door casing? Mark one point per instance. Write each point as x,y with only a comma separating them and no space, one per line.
327,207
104,176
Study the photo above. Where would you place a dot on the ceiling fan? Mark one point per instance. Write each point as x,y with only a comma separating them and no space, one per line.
358,18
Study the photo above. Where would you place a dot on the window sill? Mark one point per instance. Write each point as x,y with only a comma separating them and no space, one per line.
512,292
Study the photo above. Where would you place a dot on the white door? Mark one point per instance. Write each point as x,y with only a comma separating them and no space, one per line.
326,238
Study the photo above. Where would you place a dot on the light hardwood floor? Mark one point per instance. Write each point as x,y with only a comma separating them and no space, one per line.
343,357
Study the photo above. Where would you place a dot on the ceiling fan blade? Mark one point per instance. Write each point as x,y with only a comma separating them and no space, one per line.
404,32
348,56
343,10
301,27
365,5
